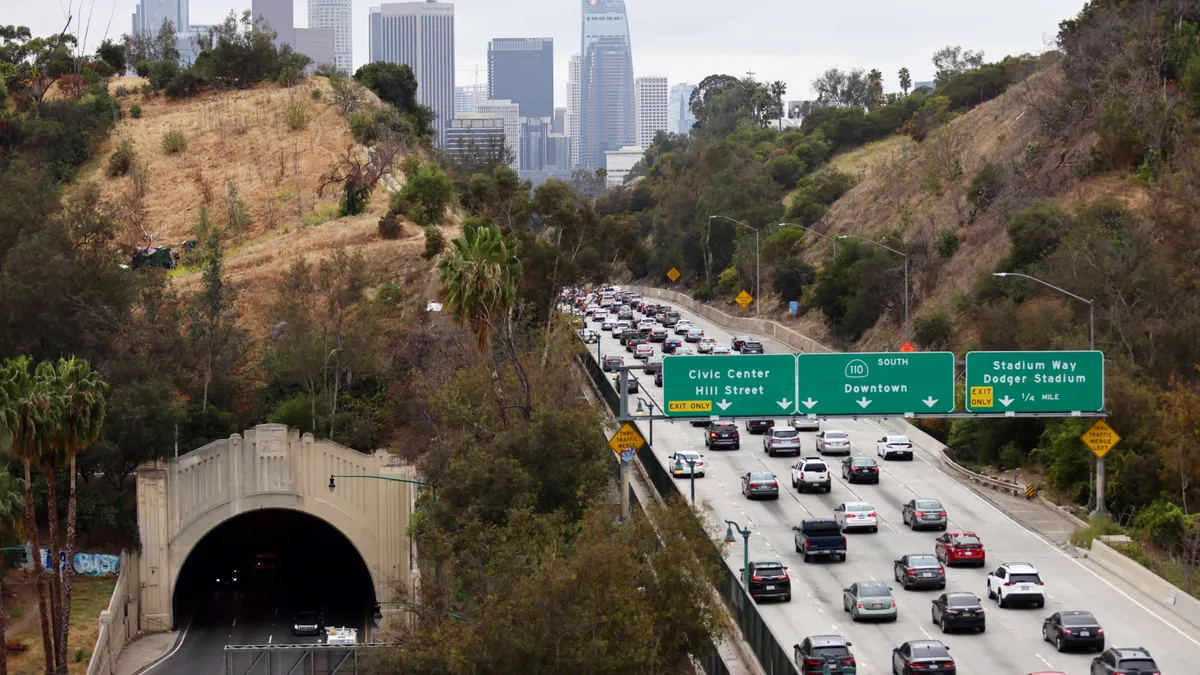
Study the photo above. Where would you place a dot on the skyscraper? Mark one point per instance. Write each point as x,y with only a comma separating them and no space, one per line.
335,15
150,15
679,109
574,103
277,15
421,35
468,96
608,114
511,114
534,133
559,123
521,70
651,95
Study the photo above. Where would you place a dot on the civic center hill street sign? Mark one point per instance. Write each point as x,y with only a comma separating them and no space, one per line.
754,385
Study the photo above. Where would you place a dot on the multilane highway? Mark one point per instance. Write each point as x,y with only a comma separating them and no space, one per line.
1012,644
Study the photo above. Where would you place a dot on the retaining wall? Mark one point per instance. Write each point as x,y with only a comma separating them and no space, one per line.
1164,595
119,622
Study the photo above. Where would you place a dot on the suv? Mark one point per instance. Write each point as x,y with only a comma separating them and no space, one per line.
1017,582
818,650
738,341
722,435
1131,660
809,473
769,580
706,345
781,440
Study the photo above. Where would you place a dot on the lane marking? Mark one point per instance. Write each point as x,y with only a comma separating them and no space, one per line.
269,638
171,653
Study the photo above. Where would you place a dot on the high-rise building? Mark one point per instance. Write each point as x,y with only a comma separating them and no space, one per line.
335,15
574,103
421,35
608,111
318,44
679,109
474,131
511,114
187,43
521,70
276,15
149,16
559,124
651,97
468,96
619,163
534,132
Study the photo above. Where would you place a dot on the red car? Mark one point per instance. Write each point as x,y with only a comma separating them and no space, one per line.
960,547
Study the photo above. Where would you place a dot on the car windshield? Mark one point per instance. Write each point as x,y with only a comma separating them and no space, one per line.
1024,578
873,592
929,504
863,461
1078,620
785,433
922,561
964,600
832,651
836,434
929,651
859,508
821,526
761,475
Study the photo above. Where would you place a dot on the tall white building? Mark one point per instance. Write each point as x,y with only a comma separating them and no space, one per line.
619,163
420,35
335,15
679,109
149,16
511,114
650,93
574,102
467,97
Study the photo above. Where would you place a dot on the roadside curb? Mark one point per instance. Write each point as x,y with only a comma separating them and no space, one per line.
168,653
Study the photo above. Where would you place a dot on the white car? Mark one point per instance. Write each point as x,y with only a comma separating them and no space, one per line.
806,423
855,515
683,351
608,322
719,349
1013,583
809,473
621,325
680,467
830,441
646,323
706,345
894,445
682,326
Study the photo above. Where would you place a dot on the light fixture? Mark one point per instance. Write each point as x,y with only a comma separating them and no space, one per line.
331,485
843,236
999,274
640,409
730,540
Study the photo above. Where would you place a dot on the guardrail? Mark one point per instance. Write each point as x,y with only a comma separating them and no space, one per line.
995,484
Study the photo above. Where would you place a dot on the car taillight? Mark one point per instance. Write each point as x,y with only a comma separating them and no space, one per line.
755,577
713,435
1066,631
950,664
1038,583
735,434
843,541
917,666
1010,583
814,662
941,569
919,514
893,603
942,514
785,577
871,514
874,468
910,571
860,604
753,485
774,484
848,662
1099,631
801,475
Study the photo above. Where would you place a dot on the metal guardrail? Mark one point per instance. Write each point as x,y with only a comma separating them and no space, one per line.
309,659
996,484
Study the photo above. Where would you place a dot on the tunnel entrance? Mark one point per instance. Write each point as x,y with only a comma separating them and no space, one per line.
256,574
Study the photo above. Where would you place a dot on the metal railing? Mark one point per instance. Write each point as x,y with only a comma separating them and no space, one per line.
311,659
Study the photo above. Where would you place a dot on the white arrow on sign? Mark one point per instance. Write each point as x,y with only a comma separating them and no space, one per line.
864,401
930,401
783,404
809,402
1006,401
723,404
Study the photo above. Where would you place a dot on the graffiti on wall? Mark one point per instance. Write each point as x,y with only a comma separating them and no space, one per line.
86,564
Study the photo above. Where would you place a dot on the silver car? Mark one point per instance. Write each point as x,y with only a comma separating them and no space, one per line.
833,442
869,600
803,423
781,440
922,513
760,484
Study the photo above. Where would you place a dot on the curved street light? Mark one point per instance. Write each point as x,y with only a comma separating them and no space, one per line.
1091,304
730,540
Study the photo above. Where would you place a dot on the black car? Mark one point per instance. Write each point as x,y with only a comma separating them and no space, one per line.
669,345
632,343
722,435
658,377
631,383
769,580
738,341
818,650
1128,660
627,334
752,347
958,610
860,470
307,622
922,656
919,570
759,426
1073,629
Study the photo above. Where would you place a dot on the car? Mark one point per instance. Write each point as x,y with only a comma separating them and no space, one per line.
599,315
923,656
646,323
671,344
625,336
960,547
307,622
706,345
856,515
670,318
621,326
681,467
643,351
830,441
612,363
1016,583
869,600
759,426
608,322
658,377
924,513
682,327
738,341
658,334
919,570
632,344
631,383
625,312
719,350
894,445
1127,660
781,440
653,364
684,350
769,579
722,435
860,469
820,651
1073,628
820,537
805,423
760,484
694,335
589,336
752,348
811,472
958,610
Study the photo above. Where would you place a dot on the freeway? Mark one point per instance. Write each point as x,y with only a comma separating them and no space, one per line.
1012,644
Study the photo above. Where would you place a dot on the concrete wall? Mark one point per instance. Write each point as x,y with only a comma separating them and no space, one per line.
1165,596
181,500
119,622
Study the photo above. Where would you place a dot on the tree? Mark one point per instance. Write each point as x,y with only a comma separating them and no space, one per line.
348,95
357,176
392,83
790,277
10,532
212,333
428,191
952,60
37,63
1179,446
875,89
112,53
478,280
905,81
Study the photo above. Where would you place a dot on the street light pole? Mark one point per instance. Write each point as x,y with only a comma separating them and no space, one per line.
757,264
432,488
1101,468
900,253
730,540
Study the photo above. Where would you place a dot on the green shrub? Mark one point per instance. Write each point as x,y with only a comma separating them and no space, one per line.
1035,232
435,242
933,329
162,72
1161,523
146,89
316,94
728,281
121,91
815,193
174,142
296,115
786,170
1100,526
183,85
986,185
790,277
702,293
135,111
121,160
428,190
947,243
390,225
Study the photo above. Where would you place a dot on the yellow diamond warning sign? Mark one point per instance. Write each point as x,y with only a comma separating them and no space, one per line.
744,299
1100,438
673,274
626,437
981,397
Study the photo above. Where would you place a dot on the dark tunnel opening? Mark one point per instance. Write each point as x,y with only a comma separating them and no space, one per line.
260,573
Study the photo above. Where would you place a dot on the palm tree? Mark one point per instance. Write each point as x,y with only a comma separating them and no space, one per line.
28,411
10,524
479,278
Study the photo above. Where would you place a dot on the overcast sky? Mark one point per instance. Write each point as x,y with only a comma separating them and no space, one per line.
686,40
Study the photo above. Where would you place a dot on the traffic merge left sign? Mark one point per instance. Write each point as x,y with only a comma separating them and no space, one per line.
744,299
673,274
626,437
1100,438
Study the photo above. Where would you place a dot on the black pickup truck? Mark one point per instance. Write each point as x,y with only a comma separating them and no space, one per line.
820,537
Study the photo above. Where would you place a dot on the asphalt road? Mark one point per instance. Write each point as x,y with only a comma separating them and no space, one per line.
1012,644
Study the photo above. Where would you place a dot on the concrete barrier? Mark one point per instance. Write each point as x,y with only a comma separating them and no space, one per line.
119,622
1164,595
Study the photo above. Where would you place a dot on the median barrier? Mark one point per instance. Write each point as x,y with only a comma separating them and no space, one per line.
1164,595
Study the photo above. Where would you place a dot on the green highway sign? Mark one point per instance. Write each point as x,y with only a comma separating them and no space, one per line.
875,383
754,385
1042,382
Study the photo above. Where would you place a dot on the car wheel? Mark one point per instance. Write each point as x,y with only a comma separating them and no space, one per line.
990,594
797,548
942,586
737,446
1058,645
1000,599
932,617
828,487
807,558
794,481
1041,604
983,628
855,617
787,598
944,626
943,528
875,528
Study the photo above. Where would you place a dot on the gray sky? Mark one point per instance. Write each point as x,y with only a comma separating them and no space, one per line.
686,40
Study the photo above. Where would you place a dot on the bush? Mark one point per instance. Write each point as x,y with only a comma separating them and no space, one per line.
429,191
174,142
1161,523
390,225
316,94
146,89
702,293
786,170
121,91
135,111
815,193
947,243
296,115
728,281
162,72
933,329
986,185
435,242
121,160
183,85
791,276
1035,232
399,205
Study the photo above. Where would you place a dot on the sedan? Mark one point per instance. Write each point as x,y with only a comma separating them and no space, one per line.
608,322
682,327
706,345
759,426
740,340
919,570
631,383
680,463
894,445
806,423
760,484
694,335
869,600
920,513
1073,629
653,364
769,580
922,656
958,610
781,440
833,441
719,349
864,469
960,547
670,345
856,515
684,350
589,336
611,363
643,351
658,334
752,348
